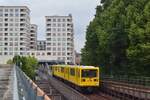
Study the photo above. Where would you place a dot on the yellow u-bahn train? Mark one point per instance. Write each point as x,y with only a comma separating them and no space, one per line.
83,78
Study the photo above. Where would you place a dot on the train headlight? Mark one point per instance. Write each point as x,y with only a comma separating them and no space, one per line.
95,80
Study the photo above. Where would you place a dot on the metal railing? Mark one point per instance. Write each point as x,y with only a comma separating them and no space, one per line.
137,80
27,89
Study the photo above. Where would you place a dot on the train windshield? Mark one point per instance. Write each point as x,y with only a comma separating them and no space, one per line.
89,73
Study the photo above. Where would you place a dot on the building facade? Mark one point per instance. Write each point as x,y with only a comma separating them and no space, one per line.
60,38
19,37
33,37
14,30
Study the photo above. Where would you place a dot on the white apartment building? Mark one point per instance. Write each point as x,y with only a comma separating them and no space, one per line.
19,37
59,38
14,30
33,37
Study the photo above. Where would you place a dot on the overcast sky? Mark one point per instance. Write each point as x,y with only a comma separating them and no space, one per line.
83,12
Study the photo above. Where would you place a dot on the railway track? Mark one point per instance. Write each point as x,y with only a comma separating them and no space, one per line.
110,90
68,92
99,96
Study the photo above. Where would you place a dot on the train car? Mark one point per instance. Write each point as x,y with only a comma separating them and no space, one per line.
83,78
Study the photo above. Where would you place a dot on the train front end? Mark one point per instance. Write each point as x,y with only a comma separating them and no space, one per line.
89,78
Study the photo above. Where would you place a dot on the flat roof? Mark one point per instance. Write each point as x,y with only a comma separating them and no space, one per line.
14,6
77,66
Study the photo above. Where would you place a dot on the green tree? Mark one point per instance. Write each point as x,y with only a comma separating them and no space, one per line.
9,61
27,64
118,38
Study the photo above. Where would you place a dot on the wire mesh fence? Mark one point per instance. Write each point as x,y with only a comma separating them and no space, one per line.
138,80
27,89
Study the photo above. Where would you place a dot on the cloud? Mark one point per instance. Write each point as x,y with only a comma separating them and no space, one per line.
82,10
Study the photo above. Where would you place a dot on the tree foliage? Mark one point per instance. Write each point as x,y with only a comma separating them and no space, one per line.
27,64
118,38
9,61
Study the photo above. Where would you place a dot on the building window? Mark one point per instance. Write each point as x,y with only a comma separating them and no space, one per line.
6,24
48,19
54,29
58,53
49,39
59,49
11,24
63,29
11,29
1,14
11,39
48,34
69,20
16,49
1,34
21,48
64,20
54,44
16,10
59,44
48,24
63,54
11,15
6,15
48,48
17,14
58,29
6,44
54,34
1,29
5,53
16,43
48,29
63,24
48,53
5,39
6,29
59,25
10,53
59,20
54,53
6,34
54,48
5,49
64,34
6,19
54,25
54,20
6,10
43,54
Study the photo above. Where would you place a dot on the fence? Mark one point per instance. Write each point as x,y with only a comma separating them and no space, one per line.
27,89
138,80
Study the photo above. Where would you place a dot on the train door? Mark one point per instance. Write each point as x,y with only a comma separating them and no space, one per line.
78,75
66,73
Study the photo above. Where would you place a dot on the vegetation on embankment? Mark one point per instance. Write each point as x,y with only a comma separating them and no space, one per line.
118,38
27,64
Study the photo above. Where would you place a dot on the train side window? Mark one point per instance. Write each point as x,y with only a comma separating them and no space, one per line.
72,71
56,69
62,70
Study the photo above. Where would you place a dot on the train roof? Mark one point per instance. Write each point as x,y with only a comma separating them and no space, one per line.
81,66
